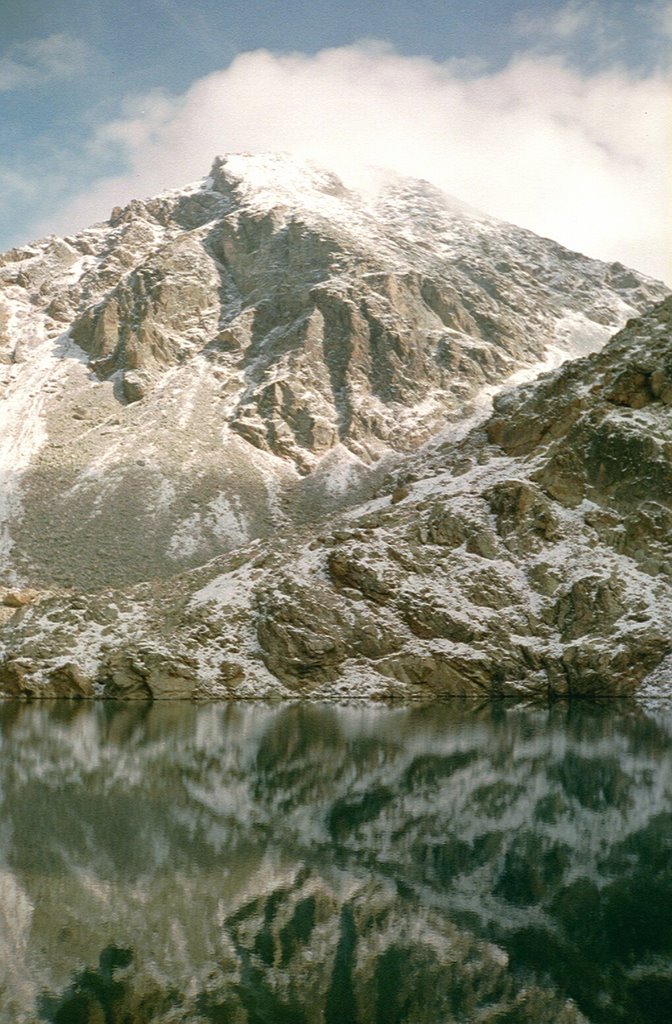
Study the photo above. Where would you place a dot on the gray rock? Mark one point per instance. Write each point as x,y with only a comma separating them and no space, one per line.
135,385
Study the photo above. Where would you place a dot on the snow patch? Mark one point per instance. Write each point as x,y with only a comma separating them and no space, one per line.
340,470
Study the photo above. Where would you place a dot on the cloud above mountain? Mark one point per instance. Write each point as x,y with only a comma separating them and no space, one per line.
581,158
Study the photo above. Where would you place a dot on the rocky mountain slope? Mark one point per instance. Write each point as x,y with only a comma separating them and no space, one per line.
530,557
248,354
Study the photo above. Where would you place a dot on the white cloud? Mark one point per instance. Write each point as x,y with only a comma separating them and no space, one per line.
565,23
561,24
594,33
583,159
41,60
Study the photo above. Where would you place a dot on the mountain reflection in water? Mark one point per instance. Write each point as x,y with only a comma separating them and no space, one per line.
315,864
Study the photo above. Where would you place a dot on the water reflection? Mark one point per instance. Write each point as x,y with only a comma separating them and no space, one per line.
310,863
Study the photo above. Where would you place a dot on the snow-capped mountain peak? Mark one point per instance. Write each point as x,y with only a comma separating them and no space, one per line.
260,348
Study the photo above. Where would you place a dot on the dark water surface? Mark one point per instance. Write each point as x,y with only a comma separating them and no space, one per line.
313,864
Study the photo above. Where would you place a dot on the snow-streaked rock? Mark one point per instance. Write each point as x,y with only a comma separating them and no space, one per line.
212,364
530,557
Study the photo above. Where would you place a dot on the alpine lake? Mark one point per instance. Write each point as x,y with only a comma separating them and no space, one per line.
256,863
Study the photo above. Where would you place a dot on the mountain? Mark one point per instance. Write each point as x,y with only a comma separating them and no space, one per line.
246,407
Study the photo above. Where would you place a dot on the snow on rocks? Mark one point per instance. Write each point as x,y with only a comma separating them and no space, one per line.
268,355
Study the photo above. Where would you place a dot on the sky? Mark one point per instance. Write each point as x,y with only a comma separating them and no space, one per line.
555,114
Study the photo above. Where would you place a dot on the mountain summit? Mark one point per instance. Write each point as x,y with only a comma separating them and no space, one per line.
237,361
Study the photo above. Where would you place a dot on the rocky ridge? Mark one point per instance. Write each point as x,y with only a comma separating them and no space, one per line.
530,558
255,351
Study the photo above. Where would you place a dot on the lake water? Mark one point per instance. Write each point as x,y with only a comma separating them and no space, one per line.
296,864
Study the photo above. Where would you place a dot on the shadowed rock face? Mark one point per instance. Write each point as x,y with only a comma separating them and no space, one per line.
314,863
533,557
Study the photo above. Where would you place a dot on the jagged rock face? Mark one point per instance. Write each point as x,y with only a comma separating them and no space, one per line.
216,361
533,557
340,318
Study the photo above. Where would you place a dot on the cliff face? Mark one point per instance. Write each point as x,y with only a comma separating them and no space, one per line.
531,557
